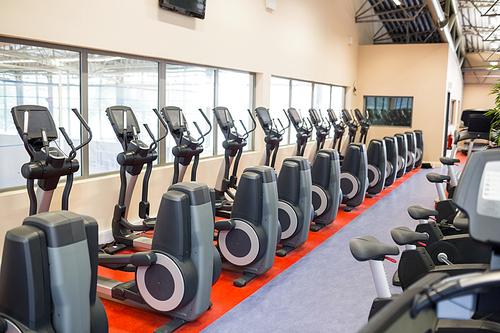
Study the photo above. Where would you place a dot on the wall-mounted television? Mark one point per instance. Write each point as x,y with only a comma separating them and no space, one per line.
194,8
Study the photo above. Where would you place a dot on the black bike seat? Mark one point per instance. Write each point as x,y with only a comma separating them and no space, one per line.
404,235
420,213
437,178
369,248
449,160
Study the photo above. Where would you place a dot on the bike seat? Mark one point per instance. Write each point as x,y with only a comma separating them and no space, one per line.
437,178
461,222
404,235
449,160
369,248
420,213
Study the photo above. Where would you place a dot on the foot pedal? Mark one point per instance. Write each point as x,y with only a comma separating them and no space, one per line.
284,251
171,326
348,208
242,281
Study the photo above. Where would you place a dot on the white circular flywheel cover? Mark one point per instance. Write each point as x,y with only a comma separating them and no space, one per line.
388,169
179,287
354,182
419,154
294,221
376,175
324,200
400,162
409,154
254,244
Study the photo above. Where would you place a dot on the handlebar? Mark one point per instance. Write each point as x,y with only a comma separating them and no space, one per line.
202,137
154,144
74,149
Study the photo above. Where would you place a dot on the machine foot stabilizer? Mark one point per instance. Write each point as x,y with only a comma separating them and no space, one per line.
284,251
171,326
242,281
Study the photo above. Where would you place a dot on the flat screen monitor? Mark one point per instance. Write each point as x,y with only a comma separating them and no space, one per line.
175,118
195,8
294,115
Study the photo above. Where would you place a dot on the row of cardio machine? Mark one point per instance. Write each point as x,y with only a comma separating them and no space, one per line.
180,257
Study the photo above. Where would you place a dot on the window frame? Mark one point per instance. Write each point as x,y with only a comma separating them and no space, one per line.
84,98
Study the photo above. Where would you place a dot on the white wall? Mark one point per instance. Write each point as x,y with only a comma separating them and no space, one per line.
302,39
478,97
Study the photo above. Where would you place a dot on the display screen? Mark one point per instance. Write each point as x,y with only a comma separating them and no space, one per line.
224,117
195,8
314,116
294,115
264,115
37,120
121,123
332,115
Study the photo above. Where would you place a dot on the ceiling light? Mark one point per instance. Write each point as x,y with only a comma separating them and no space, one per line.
397,2
494,63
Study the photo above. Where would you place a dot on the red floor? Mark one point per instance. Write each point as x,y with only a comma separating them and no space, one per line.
225,296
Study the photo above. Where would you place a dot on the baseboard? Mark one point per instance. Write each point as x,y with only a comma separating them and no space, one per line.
105,236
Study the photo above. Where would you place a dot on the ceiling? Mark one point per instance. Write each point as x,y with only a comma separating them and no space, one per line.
472,27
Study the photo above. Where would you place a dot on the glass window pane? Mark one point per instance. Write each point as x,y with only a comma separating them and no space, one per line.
235,91
191,88
321,101
36,76
301,100
119,81
280,100
338,100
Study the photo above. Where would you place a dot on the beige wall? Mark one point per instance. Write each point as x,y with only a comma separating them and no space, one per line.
478,97
302,39
422,71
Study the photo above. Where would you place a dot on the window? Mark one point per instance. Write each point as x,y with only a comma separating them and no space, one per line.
337,102
280,100
32,75
301,95
119,81
234,91
191,88
389,111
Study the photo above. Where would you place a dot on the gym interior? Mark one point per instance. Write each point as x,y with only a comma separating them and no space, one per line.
274,55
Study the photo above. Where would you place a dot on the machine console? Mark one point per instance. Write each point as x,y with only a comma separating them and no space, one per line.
478,194
346,116
122,119
332,116
224,118
175,119
294,117
359,116
38,117
315,118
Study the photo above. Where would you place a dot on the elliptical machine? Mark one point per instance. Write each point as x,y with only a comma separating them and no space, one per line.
233,144
354,168
294,187
402,154
48,280
186,147
248,239
391,146
419,155
325,171
135,155
377,157
412,151
338,128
